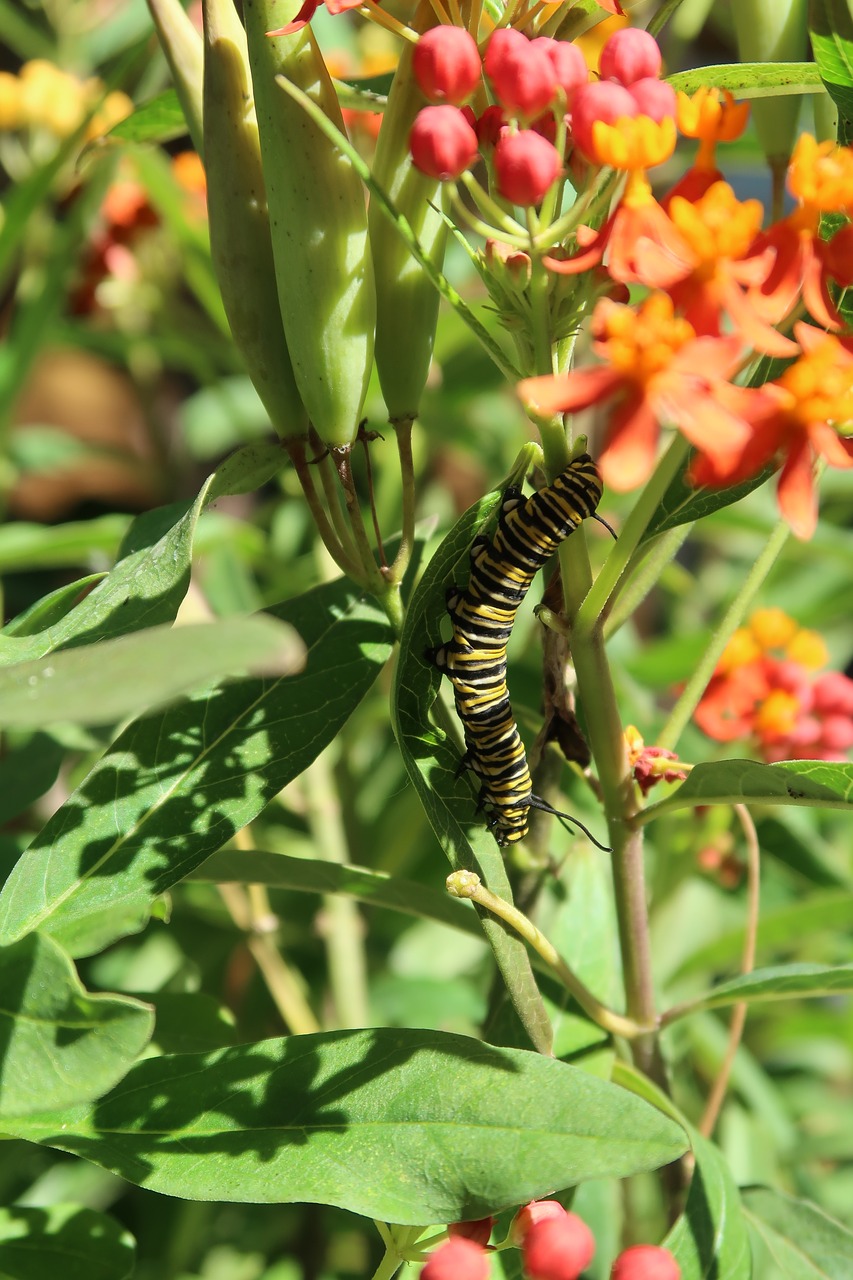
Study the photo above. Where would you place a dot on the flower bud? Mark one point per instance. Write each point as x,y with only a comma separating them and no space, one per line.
442,142
601,100
446,64
833,694
535,1211
479,1230
654,98
645,1262
522,76
630,55
490,125
568,62
558,1248
457,1259
525,166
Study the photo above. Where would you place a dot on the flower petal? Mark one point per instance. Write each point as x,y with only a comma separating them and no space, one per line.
630,448
797,498
554,393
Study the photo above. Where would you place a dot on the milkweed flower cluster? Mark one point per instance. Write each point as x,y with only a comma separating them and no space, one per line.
716,287
554,1243
770,689
43,97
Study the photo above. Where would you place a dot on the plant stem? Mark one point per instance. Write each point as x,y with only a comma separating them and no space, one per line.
631,535
284,985
696,685
296,449
717,1095
403,434
332,491
467,884
644,577
342,925
371,575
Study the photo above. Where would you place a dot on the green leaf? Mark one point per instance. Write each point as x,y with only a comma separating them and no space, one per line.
27,772
65,1240
405,1126
782,928
148,584
52,608
710,1240
62,1046
831,33
26,545
310,875
176,786
189,1022
102,683
683,503
159,120
803,782
780,982
803,1241
752,79
432,762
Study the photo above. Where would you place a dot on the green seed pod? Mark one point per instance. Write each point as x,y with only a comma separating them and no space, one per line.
240,241
773,31
318,223
406,299
182,46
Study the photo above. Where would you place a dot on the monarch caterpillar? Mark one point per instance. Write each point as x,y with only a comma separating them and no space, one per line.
482,616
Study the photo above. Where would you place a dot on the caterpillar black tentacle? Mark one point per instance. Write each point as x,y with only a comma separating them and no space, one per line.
528,533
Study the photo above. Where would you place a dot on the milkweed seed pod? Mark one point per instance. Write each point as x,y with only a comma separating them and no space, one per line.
318,225
240,241
406,299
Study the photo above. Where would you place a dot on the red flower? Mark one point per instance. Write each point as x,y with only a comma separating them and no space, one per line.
457,1259
522,74
645,1262
629,55
479,1230
446,64
656,370
309,8
442,142
791,419
558,1248
526,165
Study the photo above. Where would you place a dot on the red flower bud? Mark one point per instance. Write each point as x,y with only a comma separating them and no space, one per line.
601,100
457,1259
522,76
490,126
558,1248
629,55
535,1211
479,1231
654,98
568,63
442,142
645,1262
525,166
446,63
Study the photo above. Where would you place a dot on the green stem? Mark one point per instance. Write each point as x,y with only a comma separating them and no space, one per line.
332,491
467,884
389,1266
371,575
403,432
296,448
662,17
342,925
632,533
685,706
646,575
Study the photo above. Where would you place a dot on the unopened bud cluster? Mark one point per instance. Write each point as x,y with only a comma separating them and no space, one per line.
544,104
554,1244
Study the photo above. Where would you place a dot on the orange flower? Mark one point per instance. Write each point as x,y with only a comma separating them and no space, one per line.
656,370
702,253
820,176
309,8
793,419
711,115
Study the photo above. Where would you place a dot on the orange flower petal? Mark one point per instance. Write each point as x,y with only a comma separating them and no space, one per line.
563,393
